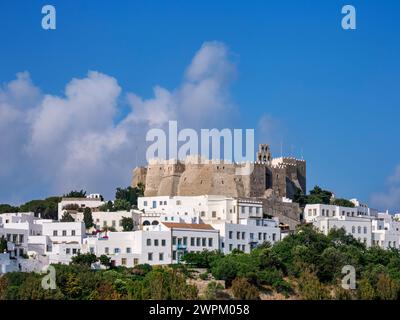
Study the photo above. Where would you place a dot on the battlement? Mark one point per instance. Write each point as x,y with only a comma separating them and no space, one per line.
195,175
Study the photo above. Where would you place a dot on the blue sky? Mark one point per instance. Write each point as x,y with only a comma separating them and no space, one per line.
331,93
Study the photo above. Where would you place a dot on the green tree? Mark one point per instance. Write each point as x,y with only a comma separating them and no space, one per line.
6,208
75,194
365,290
121,205
88,218
105,260
3,244
386,287
318,195
342,203
130,194
127,224
47,208
310,287
67,217
84,259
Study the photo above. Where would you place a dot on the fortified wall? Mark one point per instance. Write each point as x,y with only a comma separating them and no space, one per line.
271,180
270,176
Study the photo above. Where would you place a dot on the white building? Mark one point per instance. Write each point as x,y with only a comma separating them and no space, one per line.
361,222
386,231
92,201
207,208
112,219
164,243
247,234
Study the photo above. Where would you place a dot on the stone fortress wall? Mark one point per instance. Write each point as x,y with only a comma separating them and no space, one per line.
270,180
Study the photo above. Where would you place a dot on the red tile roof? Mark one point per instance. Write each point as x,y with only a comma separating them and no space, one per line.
197,226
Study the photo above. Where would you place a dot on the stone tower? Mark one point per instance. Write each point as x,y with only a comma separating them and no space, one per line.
264,154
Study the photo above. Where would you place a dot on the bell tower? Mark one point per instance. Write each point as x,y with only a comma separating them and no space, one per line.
264,154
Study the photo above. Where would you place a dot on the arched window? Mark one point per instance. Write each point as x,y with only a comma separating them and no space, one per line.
154,223
146,223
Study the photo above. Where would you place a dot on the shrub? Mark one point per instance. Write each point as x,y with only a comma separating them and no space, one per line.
243,290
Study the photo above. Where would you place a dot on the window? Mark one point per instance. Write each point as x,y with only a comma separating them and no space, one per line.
113,223
243,235
74,251
21,238
161,256
174,255
353,229
243,248
68,251
135,261
323,212
251,236
204,242
150,256
128,250
106,250
185,241
238,235
359,229
264,236
210,242
242,209
123,261
104,223
273,237
230,247
365,229
198,242
192,241
116,250
230,234
148,242
163,242
156,242
55,233
214,214
202,213
144,203
64,233
173,241
154,204
259,236
73,232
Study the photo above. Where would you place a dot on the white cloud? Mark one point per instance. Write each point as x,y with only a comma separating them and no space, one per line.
389,199
52,143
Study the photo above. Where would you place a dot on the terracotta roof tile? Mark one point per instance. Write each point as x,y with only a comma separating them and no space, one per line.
197,226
